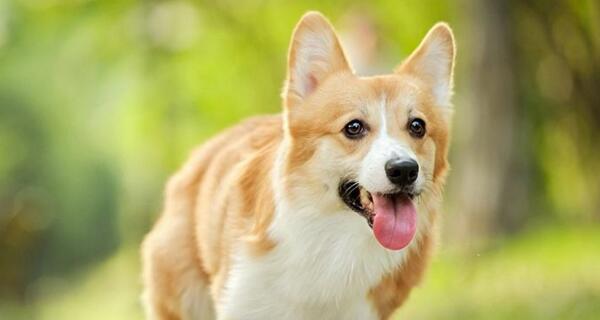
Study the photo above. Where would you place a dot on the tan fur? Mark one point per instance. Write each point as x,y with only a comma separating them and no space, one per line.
223,196
223,183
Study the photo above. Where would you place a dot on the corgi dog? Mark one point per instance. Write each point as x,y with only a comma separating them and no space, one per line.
325,211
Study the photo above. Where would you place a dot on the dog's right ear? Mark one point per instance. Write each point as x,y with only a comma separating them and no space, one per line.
315,53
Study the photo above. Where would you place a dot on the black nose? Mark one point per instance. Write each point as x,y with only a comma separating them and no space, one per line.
402,172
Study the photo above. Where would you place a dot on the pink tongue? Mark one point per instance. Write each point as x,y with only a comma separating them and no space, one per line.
395,221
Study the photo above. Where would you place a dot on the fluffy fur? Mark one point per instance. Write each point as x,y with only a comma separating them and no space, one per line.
253,226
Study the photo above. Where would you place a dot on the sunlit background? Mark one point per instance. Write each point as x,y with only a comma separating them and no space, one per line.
100,101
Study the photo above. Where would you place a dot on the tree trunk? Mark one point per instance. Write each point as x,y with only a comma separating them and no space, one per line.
488,183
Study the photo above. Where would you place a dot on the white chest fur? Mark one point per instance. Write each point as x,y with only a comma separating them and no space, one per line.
322,267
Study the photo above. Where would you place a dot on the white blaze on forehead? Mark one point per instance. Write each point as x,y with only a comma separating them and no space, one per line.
372,174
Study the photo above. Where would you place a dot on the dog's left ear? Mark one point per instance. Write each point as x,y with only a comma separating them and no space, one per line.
315,53
433,62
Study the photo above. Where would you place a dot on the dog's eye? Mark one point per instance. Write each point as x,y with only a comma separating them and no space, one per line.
354,129
416,127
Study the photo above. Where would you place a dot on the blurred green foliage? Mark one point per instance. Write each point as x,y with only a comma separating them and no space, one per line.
101,100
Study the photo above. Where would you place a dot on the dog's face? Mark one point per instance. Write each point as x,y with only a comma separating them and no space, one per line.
379,142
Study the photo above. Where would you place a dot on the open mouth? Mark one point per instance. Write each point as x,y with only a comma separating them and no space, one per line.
391,216
358,199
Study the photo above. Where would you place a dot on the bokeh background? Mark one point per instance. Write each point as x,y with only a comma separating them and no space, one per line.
100,101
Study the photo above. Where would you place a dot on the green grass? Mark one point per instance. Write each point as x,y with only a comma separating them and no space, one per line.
545,274
110,291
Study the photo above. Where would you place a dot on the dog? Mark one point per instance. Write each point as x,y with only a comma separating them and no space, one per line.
325,211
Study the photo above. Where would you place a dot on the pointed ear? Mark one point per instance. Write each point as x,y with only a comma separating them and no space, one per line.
315,53
433,62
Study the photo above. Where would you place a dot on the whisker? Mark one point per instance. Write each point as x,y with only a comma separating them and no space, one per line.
351,189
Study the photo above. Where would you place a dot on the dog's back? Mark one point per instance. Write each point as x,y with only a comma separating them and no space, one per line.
183,254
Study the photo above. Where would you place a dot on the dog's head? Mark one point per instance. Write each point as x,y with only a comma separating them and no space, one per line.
379,143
